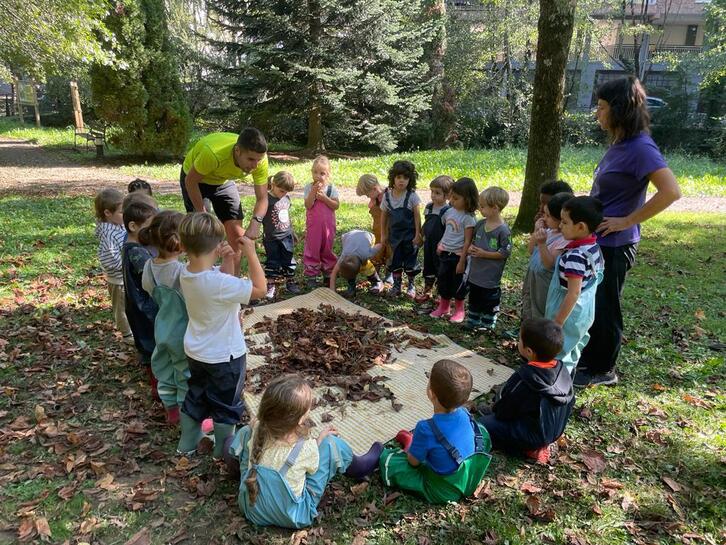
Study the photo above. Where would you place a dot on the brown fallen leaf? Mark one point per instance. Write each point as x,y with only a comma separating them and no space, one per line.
26,529
530,488
140,538
534,505
360,538
673,485
358,489
594,460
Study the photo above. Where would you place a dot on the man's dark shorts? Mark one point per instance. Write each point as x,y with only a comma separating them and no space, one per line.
224,198
215,390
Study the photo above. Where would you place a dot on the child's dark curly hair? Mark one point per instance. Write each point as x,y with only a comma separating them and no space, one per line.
405,168
466,188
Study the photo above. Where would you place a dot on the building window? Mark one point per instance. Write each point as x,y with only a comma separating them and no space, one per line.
691,33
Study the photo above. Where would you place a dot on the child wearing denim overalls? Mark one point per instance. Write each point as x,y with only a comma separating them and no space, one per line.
283,472
321,202
401,225
578,271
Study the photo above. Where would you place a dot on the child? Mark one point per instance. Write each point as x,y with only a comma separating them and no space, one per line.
401,225
548,190
213,342
489,252
447,455
279,238
321,202
545,244
368,185
358,248
533,406
138,210
453,248
433,230
140,185
160,279
284,473
578,271
111,237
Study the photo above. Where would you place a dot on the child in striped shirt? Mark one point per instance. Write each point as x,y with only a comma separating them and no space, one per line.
111,237
578,271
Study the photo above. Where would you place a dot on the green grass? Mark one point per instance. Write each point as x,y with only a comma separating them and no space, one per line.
698,176
665,419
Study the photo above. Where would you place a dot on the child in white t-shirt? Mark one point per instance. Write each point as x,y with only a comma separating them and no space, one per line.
214,342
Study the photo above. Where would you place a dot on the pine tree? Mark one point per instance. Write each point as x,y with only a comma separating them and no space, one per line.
139,96
346,72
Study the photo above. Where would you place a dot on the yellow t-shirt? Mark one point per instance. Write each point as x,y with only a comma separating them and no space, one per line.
212,157
274,456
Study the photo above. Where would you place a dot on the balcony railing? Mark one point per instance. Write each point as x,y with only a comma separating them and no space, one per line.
627,52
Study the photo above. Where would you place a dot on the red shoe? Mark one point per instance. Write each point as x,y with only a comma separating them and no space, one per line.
172,415
207,425
540,455
404,438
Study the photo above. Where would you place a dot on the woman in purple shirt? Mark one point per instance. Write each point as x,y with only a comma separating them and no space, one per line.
621,180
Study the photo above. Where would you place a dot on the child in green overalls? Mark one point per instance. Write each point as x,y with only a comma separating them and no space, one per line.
446,456
160,280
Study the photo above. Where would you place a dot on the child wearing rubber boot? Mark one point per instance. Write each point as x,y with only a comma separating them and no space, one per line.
433,230
358,249
321,201
532,408
401,225
214,342
369,186
578,271
279,237
284,473
138,211
489,253
447,455
160,279
453,249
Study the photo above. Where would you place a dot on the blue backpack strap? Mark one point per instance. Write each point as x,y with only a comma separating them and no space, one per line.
478,437
444,442
292,457
429,209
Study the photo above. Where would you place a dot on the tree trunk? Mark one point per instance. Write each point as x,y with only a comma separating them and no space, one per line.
555,25
315,114
442,100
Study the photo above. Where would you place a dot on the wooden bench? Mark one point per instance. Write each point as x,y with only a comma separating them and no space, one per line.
84,132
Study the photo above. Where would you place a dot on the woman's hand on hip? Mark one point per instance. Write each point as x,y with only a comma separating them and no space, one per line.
613,225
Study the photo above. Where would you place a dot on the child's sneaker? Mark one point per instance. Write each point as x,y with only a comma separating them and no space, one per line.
311,283
270,295
411,291
377,288
422,298
395,290
473,321
292,287
540,455
388,279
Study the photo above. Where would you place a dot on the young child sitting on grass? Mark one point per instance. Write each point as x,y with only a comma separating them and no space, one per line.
138,211
433,230
214,342
279,237
284,472
111,235
545,245
489,252
358,249
578,271
533,406
447,455
369,186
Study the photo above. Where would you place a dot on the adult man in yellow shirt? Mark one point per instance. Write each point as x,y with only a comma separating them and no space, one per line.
209,171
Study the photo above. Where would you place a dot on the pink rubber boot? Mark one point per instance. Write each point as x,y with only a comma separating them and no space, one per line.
459,312
442,309
207,425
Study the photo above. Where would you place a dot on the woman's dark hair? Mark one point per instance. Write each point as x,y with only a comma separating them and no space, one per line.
554,207
466,188
544,337
252,139
405,168
628,108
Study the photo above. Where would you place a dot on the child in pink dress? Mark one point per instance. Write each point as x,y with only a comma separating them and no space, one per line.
321,202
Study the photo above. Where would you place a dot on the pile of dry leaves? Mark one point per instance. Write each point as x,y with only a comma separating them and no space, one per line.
331,348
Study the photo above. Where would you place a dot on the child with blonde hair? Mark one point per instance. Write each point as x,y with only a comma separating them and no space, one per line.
489,252
111,235
369,186
214,342
279,237
284,472
321,202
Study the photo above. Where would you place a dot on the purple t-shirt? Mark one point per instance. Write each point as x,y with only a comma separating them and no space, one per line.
621,182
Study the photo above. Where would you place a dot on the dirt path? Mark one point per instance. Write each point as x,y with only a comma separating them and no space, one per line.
28,169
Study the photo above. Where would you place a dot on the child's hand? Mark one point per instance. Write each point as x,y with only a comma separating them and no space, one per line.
539,224
225,251
461,267
245,245
330,430
540,235
475,251
439,248
418,240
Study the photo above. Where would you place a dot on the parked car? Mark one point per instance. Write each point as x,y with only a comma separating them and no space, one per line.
655,103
